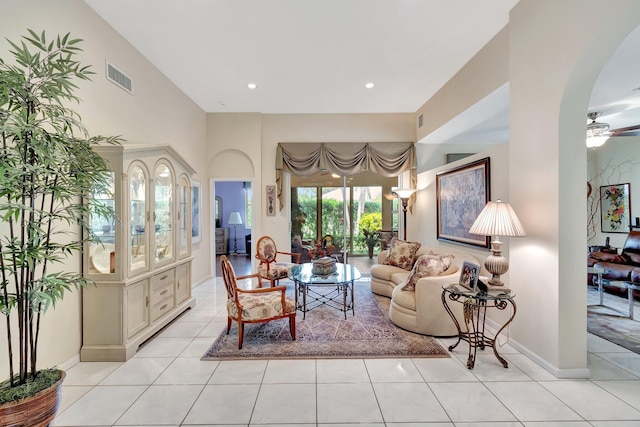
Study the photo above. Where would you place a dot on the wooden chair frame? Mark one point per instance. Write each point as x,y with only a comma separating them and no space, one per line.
230,282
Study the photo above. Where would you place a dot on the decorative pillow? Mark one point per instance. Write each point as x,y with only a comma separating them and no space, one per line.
425,266
402,253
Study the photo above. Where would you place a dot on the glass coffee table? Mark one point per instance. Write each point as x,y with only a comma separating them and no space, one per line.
334,290
622,284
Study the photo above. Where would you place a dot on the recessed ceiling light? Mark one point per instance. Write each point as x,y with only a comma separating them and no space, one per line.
252,86
369,85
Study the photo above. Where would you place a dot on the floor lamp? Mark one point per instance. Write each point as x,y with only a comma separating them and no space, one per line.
497,219
235,219
404,196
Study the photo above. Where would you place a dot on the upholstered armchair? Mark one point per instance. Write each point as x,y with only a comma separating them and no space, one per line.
269,268
254,305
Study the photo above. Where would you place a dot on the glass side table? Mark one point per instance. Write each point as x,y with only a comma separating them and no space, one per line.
475,306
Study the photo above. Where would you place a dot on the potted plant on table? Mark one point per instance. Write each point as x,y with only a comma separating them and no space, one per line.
47,164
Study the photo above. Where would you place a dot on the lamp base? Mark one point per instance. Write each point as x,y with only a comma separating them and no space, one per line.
496,264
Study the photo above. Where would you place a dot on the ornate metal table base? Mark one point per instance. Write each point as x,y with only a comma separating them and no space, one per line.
474,311
339,296
339,285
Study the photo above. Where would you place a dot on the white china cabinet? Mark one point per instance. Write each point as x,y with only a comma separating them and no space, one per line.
142,266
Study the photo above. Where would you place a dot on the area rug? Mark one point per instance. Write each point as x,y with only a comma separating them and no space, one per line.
622,331
326,334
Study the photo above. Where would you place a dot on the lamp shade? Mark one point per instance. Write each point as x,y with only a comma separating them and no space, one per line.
497,219
405,193
235,218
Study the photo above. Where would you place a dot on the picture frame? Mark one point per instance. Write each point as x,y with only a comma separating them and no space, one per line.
271,200
469,275
196,207
461,194
615,208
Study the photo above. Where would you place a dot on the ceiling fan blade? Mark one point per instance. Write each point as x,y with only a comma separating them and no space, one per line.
626,131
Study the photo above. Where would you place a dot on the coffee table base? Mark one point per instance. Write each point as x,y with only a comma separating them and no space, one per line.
339,297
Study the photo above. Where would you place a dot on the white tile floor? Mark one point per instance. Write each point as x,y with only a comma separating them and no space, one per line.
166,384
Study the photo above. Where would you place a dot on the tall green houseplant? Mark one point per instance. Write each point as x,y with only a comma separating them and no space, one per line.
47,166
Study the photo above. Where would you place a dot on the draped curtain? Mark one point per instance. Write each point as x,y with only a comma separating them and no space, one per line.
345,159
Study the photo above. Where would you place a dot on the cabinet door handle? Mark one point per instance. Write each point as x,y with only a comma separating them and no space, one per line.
164,292
163,307
146,302
164,277
178,284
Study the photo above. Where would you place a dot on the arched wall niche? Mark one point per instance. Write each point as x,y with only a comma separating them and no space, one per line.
231,164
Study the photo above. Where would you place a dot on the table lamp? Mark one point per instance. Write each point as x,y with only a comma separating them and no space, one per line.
235,219
404,195
497,219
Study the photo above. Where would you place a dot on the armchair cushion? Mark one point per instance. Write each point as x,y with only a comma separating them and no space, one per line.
402,253
259,306
274,270
428,265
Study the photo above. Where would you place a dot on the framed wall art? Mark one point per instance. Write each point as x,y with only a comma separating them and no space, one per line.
615,214
461,194
195,212
271,200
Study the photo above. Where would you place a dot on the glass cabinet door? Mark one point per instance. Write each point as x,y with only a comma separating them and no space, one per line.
162,215
184,217
102,253
138,220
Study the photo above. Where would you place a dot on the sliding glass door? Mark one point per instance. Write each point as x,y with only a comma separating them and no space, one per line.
320,211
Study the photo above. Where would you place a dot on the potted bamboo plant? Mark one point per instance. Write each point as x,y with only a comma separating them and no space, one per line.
47,167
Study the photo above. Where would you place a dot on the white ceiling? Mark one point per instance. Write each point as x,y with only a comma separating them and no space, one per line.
315,56
307,56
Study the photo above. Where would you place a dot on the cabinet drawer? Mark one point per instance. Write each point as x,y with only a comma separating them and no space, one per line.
162,292
161,307
161,280
220,248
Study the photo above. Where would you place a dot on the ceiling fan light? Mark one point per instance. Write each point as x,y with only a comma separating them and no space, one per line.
596,141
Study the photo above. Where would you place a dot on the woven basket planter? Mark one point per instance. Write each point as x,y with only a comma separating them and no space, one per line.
35,411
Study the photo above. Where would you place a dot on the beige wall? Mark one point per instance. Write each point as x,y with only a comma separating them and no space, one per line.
254,138
157,112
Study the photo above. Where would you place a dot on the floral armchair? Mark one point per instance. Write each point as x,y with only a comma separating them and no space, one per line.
254,305
269,268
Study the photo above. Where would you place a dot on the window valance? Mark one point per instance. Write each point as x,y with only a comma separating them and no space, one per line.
345,159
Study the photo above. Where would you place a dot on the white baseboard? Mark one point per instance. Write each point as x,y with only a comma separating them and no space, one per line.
572,373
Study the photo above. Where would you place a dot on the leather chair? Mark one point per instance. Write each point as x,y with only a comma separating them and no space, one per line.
269,268
254,305
618,267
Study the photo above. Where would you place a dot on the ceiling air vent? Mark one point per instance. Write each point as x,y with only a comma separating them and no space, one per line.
119,78
420,119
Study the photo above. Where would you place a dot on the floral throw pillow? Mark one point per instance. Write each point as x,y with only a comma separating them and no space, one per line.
425,266
402,253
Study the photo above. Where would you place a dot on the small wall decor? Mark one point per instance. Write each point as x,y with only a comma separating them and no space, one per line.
461,194
271,200
615,208
195,212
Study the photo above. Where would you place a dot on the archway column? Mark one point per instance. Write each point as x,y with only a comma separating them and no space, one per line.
556,51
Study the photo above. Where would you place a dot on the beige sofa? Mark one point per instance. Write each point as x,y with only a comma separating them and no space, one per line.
421,311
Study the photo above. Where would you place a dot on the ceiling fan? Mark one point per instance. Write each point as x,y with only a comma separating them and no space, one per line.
602,129
599,132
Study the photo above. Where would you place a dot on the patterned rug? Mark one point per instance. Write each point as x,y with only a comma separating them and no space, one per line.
622,331
326,334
